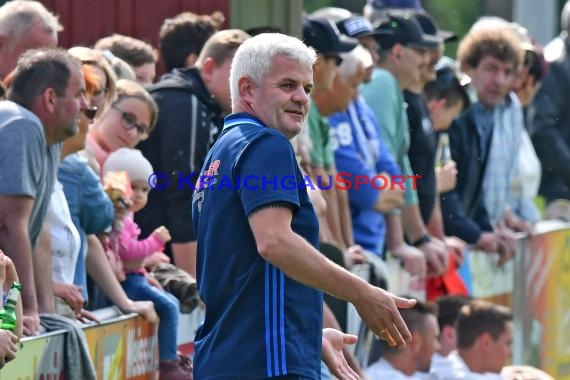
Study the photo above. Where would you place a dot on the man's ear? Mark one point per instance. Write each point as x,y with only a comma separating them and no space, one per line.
49,100
318,63
486,340
396,53
190,60
416,343
448,335
207,69
245,88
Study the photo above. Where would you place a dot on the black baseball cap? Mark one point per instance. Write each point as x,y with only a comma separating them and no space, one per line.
430,27
406,30
323,35
384,4
357,26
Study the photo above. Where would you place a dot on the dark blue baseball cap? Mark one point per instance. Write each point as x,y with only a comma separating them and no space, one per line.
430,27
385,4
357,26
323,35
405,29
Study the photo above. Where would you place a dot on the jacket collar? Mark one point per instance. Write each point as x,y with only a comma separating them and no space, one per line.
190,77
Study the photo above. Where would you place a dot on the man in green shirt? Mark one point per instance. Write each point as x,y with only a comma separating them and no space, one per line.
319,32
404,52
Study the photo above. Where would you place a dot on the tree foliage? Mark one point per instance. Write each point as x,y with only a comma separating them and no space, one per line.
455,15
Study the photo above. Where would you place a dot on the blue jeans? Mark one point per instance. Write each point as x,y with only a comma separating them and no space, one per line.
138,289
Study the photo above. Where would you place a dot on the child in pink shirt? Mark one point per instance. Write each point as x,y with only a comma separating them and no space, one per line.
132,253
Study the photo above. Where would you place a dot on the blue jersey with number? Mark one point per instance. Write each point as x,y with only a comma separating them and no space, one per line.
259,323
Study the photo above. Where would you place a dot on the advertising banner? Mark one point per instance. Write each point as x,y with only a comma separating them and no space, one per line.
541,304
122,348
37,358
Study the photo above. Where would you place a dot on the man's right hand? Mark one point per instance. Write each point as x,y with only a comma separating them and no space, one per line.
436,256
8,348
31,324
446,177
488,242
354,255
413,259
506,246
379,310
457,248
390,197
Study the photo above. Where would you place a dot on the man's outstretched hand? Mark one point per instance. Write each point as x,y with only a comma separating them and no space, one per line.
379,310
333,356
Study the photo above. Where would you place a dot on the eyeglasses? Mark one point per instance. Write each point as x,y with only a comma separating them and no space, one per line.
130,121
337,59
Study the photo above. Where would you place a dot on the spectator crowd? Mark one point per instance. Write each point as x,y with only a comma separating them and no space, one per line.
367,96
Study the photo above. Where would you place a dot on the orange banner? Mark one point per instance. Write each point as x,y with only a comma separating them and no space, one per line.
126,349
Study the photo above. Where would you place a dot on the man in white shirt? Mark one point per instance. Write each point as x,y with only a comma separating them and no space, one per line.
398,364
484,343
448,311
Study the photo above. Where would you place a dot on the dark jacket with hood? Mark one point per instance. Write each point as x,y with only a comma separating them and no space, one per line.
550,126
188,122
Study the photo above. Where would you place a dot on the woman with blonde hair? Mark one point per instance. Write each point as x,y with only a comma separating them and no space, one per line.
105,94
127,121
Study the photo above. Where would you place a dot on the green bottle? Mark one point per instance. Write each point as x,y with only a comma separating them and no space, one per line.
8,321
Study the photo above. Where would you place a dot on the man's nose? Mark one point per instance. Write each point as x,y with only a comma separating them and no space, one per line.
300,95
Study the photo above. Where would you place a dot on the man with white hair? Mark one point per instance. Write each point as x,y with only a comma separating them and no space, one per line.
349,75
361,151
259,275
24,25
